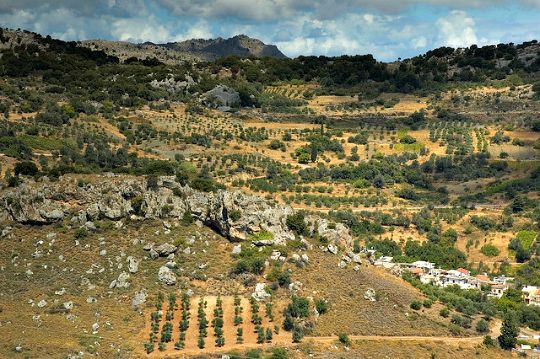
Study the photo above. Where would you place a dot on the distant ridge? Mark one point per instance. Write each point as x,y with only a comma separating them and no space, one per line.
188,50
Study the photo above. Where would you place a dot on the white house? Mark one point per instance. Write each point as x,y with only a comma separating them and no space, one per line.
427,267
385,262
459,278
497,290
531,295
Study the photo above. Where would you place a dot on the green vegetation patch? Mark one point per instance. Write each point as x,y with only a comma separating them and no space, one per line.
261,236
526,238
490,250
408,147
43,143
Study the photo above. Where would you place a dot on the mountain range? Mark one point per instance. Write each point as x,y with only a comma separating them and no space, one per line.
194,50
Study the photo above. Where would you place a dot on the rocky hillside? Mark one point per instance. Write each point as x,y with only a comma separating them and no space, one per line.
195,49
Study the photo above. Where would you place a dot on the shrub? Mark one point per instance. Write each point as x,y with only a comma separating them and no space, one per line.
288,322
490,250
25,168
408,139
428,303
445,312
235,215
321,305
416,305
482,326
152,182
344,339
295,222
297,334
488,341
279,353
80,233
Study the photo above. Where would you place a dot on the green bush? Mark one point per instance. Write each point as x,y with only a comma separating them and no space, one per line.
490,250
25,168
488,341
80,233
344,339
321,305
482,326
295,222
416,305
444,312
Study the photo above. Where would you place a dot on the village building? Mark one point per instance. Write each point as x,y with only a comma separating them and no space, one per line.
531,295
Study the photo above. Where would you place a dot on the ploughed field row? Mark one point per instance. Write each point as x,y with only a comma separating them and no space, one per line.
192,324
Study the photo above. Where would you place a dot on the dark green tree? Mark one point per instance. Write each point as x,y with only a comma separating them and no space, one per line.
509,331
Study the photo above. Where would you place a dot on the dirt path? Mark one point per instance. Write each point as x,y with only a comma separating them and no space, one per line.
408,208
446,340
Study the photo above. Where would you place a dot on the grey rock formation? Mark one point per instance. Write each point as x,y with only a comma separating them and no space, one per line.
188,50
221,95
370,295
237,249
116,197
335,234
166,275
165,249
139,298
260,292
332,249
133,264
121,281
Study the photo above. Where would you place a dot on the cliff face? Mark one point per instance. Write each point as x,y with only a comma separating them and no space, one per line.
189,50
233,214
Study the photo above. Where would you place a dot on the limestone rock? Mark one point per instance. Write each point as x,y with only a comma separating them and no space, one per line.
133,264
121,281
260,292
370,295
221,95
166,275
165,249
237,249
332,249
139,298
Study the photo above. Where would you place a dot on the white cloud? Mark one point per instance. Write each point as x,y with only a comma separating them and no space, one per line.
201,30
419,42
140,30
457,30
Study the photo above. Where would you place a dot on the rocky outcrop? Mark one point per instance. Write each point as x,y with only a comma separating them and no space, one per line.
166,275
221,96
170,84
121,281
335,233
233,214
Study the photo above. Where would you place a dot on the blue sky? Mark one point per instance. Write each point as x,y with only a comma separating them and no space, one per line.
388,29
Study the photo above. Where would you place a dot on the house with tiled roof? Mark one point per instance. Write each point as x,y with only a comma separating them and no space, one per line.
531,295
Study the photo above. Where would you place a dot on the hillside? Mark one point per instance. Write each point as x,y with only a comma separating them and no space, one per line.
244,206
188,50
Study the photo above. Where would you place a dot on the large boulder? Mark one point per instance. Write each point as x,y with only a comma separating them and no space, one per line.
165,249
121,281
166,275
260,292
221,95
139,298
336,233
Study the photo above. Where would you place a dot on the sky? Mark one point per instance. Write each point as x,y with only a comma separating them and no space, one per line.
388,29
